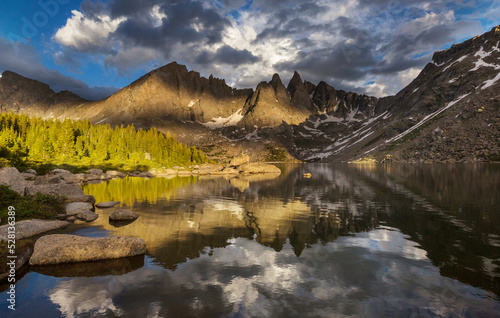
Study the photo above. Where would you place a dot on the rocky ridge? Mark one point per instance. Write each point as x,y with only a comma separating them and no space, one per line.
304,121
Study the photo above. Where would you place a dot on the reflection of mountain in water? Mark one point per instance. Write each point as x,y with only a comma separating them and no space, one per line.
454,221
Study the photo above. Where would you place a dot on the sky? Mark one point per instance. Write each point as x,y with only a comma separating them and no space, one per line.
374,47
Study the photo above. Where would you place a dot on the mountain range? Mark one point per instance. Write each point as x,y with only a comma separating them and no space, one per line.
449,113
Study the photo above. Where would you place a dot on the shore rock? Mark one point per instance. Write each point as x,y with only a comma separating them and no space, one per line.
105,205
63,248
22,258
78,207
115,173
49,179
123,215
28,176
239,160
258,167
65,175
60,189
80,198
11,176
94,171
87,216
207,168
28,228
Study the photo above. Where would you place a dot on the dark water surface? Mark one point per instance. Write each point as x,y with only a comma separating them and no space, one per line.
360,241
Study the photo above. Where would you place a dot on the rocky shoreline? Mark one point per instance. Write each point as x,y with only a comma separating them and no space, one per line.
58,248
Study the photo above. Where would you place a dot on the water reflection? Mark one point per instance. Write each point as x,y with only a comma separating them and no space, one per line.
396,240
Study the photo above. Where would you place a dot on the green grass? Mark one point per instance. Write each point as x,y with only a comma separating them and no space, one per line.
39,206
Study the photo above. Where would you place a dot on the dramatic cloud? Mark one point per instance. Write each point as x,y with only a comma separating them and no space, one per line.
366,46
25,60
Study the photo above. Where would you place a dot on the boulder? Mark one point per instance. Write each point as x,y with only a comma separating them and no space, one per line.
80,198
105,205
94,171
87,216
258,167
19,188
11,176
28,176
146,175
22,258
63,248
239,160
28,228
60,189
30,171
49,179
77,207
123,215
115,173
65,175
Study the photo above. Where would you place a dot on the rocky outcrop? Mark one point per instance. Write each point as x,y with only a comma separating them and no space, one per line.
123,215
62,248
28,228
239,160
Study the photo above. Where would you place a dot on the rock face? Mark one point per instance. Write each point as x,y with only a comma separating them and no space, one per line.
61,248
123,215
28,228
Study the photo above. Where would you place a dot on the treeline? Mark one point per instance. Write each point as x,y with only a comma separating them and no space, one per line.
79,142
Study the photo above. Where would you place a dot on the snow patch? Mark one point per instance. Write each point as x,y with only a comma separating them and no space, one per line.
101,121
225,122
490,82
415,90
457,61
191,104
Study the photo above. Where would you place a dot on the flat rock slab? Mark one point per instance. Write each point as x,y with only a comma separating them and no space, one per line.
63,248
108,204
11,176
78,207
123,215
28,228
87,216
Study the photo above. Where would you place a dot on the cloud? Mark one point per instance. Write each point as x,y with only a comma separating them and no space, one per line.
228,55
25,60
87,34
345,43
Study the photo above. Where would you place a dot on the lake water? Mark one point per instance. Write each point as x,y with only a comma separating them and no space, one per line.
360,241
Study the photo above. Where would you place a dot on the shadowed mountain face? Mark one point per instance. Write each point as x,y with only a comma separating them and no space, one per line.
448,113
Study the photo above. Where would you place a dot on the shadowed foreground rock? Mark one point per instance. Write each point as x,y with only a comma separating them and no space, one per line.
33,227
63,248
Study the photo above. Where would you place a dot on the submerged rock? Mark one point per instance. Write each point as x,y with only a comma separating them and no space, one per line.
105,205
63,248
123,215
28,228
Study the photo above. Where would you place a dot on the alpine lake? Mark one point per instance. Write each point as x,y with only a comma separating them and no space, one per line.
350,241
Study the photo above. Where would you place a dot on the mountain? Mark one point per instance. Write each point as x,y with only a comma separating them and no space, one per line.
450,112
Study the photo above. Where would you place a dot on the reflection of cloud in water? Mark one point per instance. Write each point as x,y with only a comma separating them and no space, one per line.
379,273
76,297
